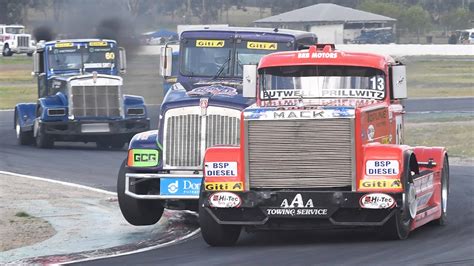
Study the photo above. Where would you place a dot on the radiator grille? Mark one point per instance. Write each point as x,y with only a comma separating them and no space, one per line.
95,101
188,134
300,153
23,41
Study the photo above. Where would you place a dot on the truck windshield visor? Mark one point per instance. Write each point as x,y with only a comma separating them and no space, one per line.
206,57
307,82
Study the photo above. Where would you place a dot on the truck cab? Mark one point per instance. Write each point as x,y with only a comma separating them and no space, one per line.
80,96
14,40
200,110
322,147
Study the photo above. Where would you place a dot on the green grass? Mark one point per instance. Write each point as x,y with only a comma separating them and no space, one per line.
456,136
10,96
16,60
22,214
15,76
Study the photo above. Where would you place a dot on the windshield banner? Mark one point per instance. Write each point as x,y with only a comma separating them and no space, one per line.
262,45
210,43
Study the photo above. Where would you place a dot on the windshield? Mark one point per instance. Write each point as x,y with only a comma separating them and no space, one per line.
212,58
14,30
302,82
67,56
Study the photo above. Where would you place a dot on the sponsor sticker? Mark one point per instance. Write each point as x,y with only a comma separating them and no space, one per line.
213,90
99,43
381,183
210,43
296,207
224,200
143,158
64,45
220,169
316,55
262,45
180,186
225,186
381,167
377,201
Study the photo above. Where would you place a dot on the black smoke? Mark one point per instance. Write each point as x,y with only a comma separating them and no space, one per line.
43,33
121,30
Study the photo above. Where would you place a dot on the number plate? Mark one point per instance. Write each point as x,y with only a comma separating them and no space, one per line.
95,128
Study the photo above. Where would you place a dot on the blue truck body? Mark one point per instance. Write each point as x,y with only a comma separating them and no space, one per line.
200,110
80,97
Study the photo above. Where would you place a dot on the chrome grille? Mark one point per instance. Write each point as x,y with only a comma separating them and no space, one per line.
23,41
300,153
187,134
95,101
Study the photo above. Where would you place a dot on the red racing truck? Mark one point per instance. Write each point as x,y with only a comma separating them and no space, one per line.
322,147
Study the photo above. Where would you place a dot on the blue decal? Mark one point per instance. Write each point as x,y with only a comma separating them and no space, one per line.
180,186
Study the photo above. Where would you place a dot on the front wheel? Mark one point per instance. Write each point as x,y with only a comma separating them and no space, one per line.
216,234
6,51
23,138
136,211
43,140
443,220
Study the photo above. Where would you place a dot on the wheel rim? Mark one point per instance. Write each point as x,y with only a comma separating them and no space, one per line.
17,130
411,201
444,194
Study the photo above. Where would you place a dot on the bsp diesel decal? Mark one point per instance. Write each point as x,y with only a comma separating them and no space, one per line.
180,186
377,201
262,45
296,207
381,184
220,169
224,200
210,43
381,167
224,186
143,158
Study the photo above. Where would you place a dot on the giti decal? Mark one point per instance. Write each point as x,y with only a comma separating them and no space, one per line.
210,43
98,43
262,45
64,45
381,184
224,186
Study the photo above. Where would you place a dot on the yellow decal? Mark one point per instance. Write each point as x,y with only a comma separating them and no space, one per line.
381,183
210,43
262,45
98,44
63,45
110,56
225,186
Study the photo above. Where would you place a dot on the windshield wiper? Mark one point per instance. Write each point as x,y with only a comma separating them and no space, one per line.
221,69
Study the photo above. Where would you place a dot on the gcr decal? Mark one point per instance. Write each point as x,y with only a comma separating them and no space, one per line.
142,158
381,167
381,184
262,45
377,201
110,56
210,43
224,186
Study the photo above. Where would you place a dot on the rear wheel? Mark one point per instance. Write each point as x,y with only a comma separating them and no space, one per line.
443,220
136,211
23,138
399,225
216,234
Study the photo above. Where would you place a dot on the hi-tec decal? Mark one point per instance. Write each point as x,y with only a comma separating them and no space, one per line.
316,55
262,45
381,167
296,207
224,200
210,43
377,201
220,169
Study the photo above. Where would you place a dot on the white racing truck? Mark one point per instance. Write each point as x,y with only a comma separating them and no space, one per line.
14,40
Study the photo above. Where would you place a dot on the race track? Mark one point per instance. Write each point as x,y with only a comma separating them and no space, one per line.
84,164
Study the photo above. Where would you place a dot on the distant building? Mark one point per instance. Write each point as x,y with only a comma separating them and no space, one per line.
331,23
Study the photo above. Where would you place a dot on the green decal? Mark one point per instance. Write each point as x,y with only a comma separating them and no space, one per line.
144,157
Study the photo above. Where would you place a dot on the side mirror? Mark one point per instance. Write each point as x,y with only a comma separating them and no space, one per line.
250,81
36,66
122,60
166,56
399,82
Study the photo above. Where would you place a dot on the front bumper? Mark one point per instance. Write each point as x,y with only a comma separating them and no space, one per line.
22,50
273,210
164,186
97,127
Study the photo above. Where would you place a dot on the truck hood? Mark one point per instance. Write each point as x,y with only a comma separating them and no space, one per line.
218,93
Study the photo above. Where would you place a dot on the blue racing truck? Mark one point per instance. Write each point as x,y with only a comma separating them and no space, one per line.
80,97
164,167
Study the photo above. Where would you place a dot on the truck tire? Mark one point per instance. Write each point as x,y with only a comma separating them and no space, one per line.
135,211
22,138
444,191
6,50
399,225
43,140
216,234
